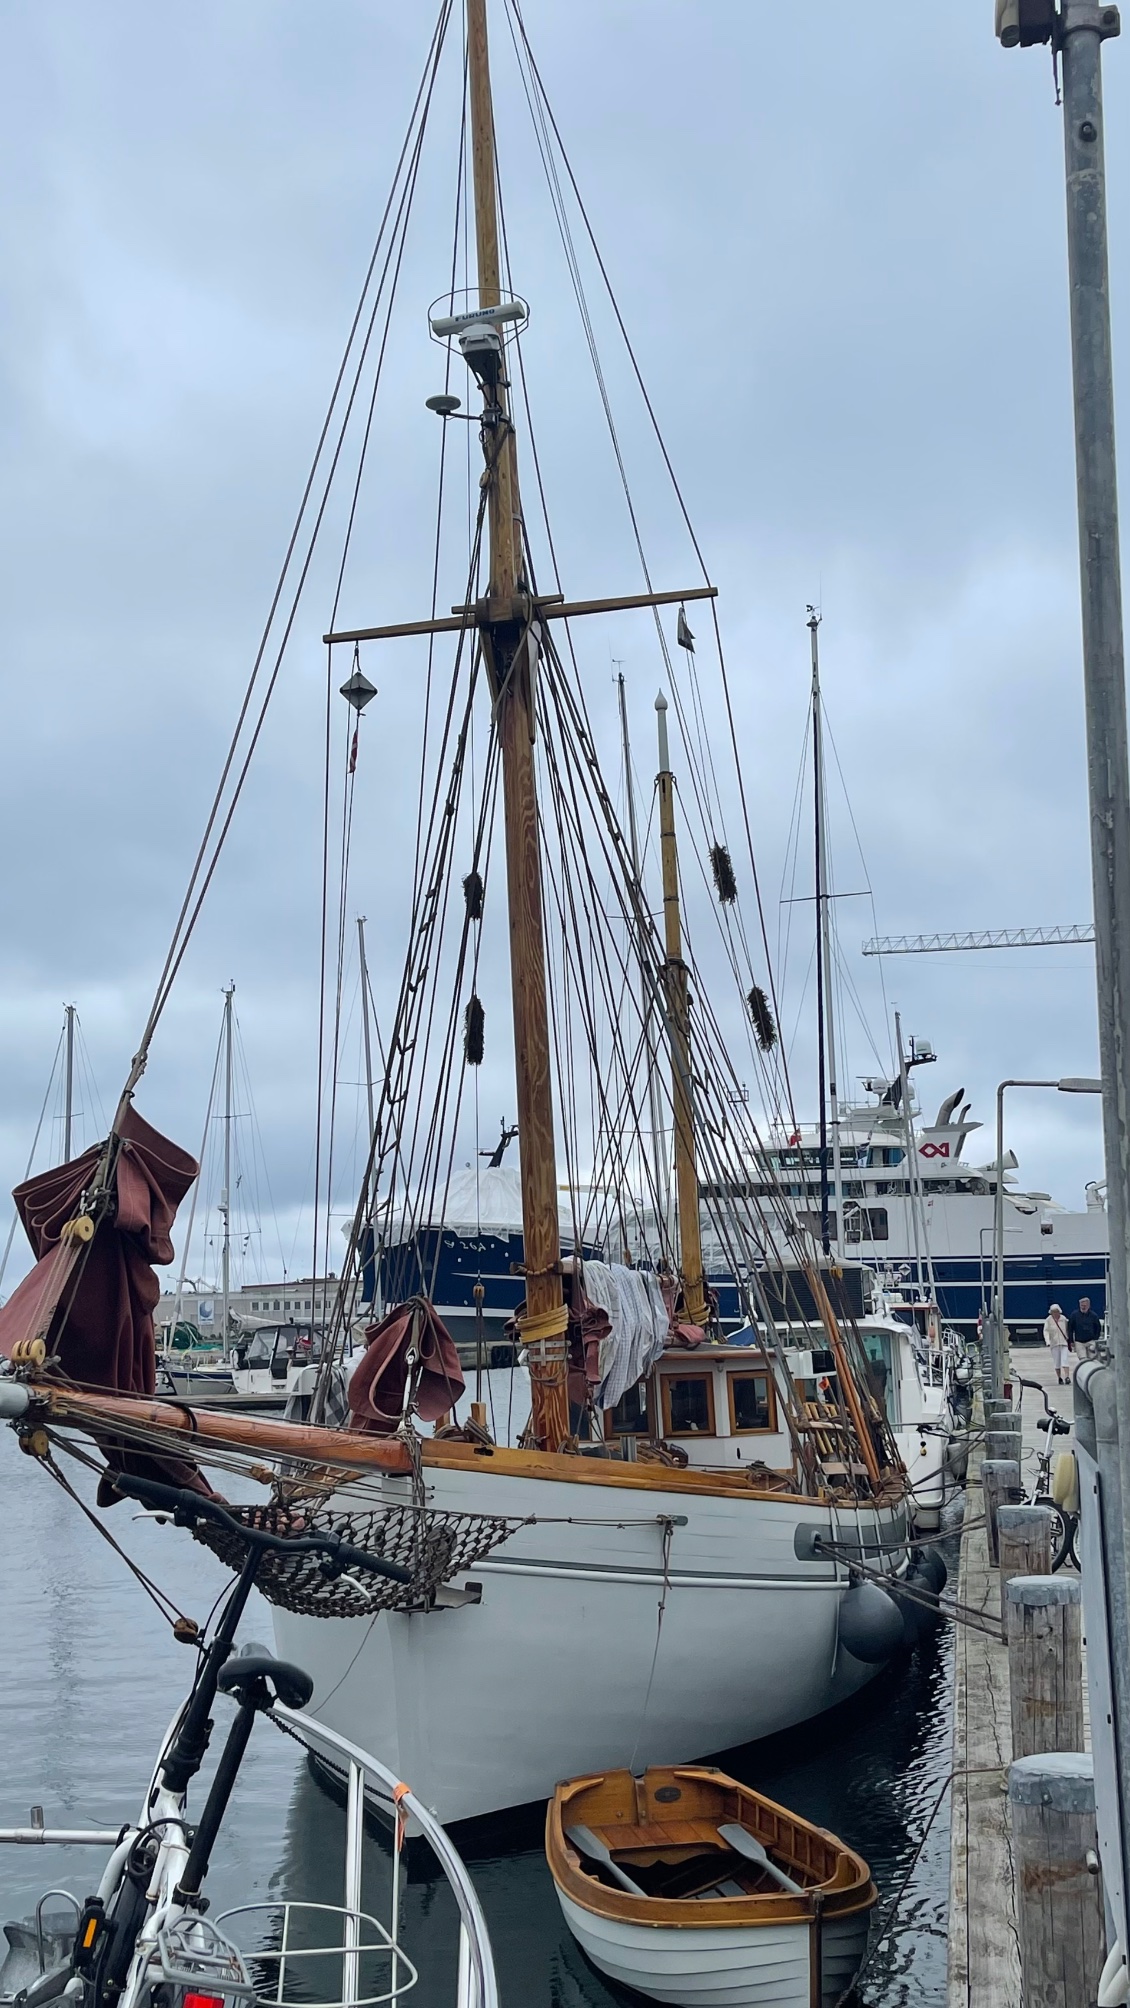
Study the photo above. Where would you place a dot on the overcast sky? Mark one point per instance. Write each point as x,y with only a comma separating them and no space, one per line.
837,236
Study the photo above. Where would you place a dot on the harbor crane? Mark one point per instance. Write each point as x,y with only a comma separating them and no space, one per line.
987,937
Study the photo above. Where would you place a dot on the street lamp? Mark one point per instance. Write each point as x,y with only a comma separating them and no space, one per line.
1071,1084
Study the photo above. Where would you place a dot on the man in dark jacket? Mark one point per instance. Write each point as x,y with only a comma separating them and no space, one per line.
1084,1328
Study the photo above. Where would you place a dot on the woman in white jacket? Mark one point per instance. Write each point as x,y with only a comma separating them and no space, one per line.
1055,1336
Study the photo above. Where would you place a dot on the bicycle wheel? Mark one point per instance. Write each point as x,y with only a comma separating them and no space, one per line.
1063,1532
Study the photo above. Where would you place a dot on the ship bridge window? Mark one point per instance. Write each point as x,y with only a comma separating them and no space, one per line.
888,1154
813,1224
751,1403
688,1404
866,1223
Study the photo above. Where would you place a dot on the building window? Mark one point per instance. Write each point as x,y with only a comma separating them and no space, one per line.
688,1405
751,1403
306,1306
275,1306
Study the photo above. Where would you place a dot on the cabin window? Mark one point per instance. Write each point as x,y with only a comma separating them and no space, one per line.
629,1417
880,1371
751,1403
688,1405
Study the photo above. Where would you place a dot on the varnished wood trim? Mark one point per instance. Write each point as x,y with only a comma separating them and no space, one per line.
847,1890
569,1470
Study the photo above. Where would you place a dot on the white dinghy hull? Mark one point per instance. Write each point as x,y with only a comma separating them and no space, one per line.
758,1966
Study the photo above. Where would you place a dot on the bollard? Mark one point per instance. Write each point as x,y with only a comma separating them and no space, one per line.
1000,1415
1045,1664
1024,1545
1058,1901
1003,1443
1000,1482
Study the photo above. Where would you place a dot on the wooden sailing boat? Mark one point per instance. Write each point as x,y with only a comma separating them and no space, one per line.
571,1607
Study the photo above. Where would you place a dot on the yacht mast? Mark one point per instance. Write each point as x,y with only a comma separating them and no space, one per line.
832,1240
510,649
678,1014
658,1149
69,1080
225,1196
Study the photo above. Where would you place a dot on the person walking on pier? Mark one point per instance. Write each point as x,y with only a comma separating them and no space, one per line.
1056,1336
1084,1329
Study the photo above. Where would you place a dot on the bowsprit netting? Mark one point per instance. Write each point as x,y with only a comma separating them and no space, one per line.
435,1546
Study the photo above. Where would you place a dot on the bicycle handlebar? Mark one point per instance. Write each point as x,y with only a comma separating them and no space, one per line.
1041,1391
188,1507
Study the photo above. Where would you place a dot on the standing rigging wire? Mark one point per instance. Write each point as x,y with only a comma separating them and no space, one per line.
196,1183
535,75
51,1082
711,817
206,860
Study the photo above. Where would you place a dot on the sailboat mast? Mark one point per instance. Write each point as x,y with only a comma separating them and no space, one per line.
678,1014
68,1081
365,1021
831,1235
658,1154
510,651
225,1201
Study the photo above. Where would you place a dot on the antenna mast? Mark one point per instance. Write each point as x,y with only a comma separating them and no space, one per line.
510,648
678,1013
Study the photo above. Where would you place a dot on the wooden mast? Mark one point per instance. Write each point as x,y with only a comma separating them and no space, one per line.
510,651
678,1017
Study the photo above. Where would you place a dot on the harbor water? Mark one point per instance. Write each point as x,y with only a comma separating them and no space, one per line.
92,1674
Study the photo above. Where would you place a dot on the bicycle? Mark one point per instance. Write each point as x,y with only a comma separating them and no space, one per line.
1065,1524
143,1940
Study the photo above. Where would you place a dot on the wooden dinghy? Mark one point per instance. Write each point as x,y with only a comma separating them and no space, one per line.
695,1890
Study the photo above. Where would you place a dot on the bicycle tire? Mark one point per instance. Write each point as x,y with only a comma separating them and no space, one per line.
1064,1527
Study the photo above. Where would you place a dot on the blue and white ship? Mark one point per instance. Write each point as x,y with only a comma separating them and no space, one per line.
906,1220
924,1230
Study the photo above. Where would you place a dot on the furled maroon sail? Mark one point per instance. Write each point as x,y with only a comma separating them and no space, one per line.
92,1302
376,1388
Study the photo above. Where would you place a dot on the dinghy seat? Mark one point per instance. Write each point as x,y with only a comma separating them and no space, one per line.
292,1685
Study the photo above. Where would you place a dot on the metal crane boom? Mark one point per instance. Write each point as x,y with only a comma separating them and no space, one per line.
988,937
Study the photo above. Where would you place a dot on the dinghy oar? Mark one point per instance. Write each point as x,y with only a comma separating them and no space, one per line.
744,1844
586,1841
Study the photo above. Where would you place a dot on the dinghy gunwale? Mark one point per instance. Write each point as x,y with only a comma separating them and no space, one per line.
847,1891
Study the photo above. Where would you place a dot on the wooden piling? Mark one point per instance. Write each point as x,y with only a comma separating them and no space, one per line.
1058,1901
1045,1664
1024,1545
1003,1443
1000,1480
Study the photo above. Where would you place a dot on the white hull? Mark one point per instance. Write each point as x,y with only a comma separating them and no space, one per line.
718,1966
554,1665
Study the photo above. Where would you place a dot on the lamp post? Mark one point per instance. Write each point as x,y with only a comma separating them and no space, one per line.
1071,1084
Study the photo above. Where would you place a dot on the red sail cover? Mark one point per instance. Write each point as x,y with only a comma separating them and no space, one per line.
376,1388
94,1301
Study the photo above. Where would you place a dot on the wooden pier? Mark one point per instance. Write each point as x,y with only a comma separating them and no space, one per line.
984,1961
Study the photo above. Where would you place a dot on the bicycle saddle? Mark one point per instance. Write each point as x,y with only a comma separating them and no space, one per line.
1058,1424
292,1686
